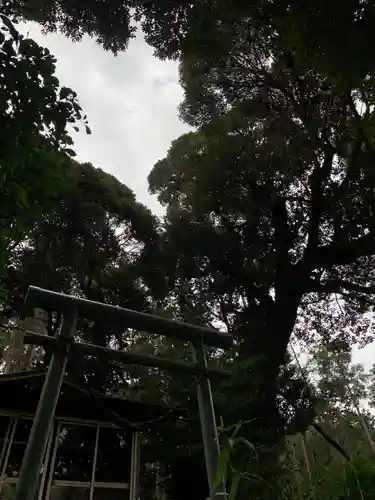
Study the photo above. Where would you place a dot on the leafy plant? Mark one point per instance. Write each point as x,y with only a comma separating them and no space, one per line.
232,464
36,117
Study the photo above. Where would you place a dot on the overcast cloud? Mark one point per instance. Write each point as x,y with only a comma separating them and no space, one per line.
131,101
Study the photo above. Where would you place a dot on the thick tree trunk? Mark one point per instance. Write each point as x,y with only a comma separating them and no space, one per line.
263,353
280,326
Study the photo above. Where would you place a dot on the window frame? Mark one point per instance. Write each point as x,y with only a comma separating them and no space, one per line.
47,481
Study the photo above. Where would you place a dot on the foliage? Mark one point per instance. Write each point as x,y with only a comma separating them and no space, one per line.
89,244
314,470
270,204
107,22
36,115
309,466
311,31
340,383
312,467
235,451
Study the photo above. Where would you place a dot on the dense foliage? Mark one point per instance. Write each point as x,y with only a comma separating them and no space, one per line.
270,205
311,30
312,467
268,233
37,116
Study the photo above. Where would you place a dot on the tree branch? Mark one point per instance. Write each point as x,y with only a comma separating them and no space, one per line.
337,285
359,124
344,186
339,254
282,237
360,298
317,180
301,106
224,316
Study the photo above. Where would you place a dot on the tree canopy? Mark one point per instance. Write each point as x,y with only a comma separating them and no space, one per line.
274,192
37,117
312,31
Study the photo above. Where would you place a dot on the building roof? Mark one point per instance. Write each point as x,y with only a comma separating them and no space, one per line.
20,392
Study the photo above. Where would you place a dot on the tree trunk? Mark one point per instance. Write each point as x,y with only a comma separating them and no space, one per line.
266,350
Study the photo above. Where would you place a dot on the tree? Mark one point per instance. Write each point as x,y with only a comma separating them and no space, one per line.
311,31
36,116
270,202
95,224
90,243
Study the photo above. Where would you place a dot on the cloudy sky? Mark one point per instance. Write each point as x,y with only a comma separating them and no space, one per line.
131,101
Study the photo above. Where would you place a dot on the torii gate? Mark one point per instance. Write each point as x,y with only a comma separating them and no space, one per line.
63,343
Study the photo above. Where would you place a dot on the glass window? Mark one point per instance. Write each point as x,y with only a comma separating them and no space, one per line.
74,462
114,456
18,448
4,423
75,453
5,428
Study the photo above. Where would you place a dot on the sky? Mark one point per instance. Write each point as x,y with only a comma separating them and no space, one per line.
131,101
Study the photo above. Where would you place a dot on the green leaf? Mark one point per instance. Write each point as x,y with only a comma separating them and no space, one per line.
88,130
245,442
234,486
222,468
21,195
68,140
65,92
237,429
8,23
70,152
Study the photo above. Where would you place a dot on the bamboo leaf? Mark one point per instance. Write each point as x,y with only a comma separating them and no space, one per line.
234,487
245,442
222,469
